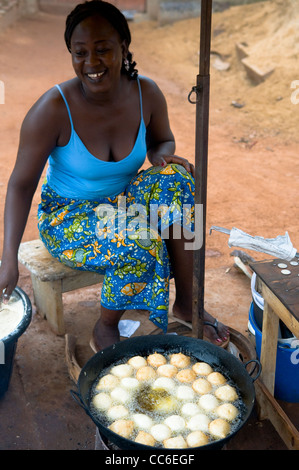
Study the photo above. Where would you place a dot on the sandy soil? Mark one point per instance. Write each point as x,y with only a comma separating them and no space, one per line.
253,150
252,175
253,165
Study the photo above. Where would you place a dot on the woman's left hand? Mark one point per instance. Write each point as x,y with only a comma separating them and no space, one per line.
165,159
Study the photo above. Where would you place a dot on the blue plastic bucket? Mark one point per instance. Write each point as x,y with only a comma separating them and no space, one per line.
8,344
287,365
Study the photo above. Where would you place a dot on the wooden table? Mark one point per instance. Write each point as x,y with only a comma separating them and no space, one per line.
281,301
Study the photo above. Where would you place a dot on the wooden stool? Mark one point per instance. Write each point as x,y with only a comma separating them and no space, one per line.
50,279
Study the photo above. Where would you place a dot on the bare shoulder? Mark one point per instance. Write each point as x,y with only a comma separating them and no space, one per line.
49,110
150,87
154,102
45,107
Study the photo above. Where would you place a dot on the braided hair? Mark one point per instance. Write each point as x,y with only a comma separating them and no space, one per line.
115,18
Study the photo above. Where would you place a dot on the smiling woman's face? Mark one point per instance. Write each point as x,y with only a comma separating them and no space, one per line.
97,54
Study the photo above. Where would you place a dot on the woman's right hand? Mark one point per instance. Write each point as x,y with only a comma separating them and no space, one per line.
9,275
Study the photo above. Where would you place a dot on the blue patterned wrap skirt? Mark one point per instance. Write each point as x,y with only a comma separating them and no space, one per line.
123,237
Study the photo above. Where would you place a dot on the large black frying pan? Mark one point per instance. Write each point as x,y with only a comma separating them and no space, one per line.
144,345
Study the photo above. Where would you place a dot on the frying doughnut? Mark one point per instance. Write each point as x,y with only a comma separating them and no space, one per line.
219,428
137,361
123,427
175,423
163,383
130,383
197,439
179,360
120,394
102,401
177,442
117,412
145,438
156,360
122,370
185,392
190,409
186,375
160,432
226,393
201,386
199,422
142,421
202,368
215,378
108,382
227,411
145,373
208,402
167,370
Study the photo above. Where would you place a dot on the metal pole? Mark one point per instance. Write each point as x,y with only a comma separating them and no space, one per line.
202,91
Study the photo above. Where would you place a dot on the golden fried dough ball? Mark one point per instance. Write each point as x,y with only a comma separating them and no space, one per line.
226,393
208,402
227,411
215,378
177,442
145,438
186,375
197,439
179,360
199,422
160,432
201,386
108,382
175,422
163,383
137,361
167,370
156,360
122,370
185,392
102,401
121,395
190,409
142,421
129,383
117,412
123,427
146,373
202,368
219,428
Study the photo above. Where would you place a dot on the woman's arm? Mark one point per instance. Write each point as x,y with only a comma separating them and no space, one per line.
38,137
160,139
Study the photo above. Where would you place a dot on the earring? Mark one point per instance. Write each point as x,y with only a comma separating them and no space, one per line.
126,64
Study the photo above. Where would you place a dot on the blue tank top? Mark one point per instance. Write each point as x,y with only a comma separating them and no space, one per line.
75,173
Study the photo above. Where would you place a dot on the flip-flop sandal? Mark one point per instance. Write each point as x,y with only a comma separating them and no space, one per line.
206,323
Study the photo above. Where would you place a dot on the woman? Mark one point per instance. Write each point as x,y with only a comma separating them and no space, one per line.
95,131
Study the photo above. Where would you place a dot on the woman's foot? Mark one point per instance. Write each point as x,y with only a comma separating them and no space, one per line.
217,334
104,336
105,332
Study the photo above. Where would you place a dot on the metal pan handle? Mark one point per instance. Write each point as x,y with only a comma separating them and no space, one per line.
76,396
257,364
